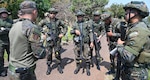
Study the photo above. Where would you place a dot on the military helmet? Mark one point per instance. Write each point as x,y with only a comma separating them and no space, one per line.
80,13
3,10
53,10
138,5
105,15
96,13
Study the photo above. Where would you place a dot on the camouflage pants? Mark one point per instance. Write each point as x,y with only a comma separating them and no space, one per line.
85,52
16,76
56,48
98,56
134,73
112,58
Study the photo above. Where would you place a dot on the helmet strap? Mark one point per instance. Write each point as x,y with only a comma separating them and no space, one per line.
129,20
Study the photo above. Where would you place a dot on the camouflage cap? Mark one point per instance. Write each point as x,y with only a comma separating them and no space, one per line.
96,13
105,15
3,10
27,5
80,13
53,10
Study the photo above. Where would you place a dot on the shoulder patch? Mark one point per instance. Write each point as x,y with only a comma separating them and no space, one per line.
133,34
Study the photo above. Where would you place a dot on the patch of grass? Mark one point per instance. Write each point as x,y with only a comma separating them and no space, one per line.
68,35
5,55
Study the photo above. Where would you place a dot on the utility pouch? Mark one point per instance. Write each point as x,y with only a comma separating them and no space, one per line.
24,73
144,57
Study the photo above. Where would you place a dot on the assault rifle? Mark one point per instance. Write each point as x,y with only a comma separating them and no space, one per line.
114,51
79,39
4,30
97,48
51,35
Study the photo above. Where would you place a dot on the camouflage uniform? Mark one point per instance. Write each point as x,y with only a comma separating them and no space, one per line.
5,25
24,46
98,30
114,26
42,25
86,36
136,49
55,28
43,22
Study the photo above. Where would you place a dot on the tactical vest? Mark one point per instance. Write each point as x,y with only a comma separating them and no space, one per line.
85,30
97,27
55,26
145,53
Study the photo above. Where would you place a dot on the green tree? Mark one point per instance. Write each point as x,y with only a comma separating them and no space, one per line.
88,6
117,10
13,6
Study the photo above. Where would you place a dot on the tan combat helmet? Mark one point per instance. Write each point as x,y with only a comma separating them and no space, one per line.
80,13
53,10
138,5
3,10
105,16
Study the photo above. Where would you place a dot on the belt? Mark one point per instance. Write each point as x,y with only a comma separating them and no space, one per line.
12,68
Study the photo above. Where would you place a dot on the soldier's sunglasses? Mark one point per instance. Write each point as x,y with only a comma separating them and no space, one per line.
52,13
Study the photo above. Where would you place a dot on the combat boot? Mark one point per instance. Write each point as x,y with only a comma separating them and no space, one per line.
3,73
111,71
91,58
59,68
98,65
77,68
99,62
48,67
88,69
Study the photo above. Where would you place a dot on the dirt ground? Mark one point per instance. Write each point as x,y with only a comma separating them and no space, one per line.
68,65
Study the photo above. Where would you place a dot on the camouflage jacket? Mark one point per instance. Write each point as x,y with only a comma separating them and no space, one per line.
5,27
85,30
115,28
137,41
24,45
57,26
98,27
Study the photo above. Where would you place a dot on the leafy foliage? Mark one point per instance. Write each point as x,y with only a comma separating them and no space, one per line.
117,10
13,6
88,6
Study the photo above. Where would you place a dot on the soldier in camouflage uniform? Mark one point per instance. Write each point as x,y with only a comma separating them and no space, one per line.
42,25
112,27
5,25
135,50
25,46
98,31
56,30
43,22
83,40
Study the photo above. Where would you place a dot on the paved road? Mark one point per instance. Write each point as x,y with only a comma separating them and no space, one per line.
69,66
